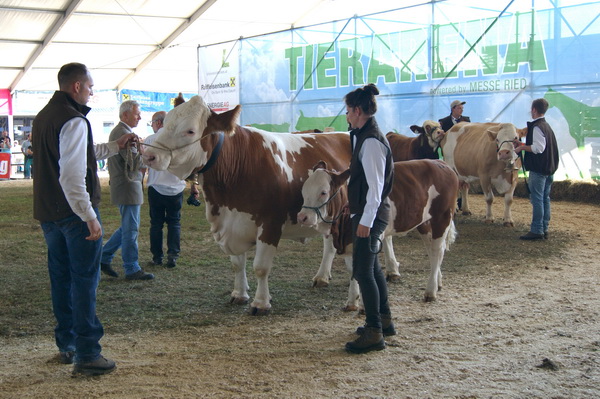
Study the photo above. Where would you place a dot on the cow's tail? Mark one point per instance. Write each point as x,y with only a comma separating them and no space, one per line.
450,235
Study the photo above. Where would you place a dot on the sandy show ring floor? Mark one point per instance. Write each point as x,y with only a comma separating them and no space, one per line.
484,337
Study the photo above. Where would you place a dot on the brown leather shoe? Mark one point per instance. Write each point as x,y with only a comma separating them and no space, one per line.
370,340
532,236
99,366
386,324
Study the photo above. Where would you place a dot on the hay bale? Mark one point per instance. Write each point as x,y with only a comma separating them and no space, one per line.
587,191
576,190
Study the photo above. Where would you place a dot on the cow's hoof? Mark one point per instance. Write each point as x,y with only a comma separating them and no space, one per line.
489,221
238,301
509,224
254,311
429,298
320,283
393,278
466,213
349,308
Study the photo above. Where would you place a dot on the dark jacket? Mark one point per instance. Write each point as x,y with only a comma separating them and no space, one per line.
447,122
546,162
358,185
49,201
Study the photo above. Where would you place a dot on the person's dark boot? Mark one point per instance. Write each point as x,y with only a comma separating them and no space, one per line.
387,326
99,366
108,270
370,340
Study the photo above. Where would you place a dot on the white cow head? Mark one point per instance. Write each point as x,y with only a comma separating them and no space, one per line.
505,134
324,194
180,145
432,130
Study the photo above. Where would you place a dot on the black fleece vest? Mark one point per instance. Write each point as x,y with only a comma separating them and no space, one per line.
545,162
358,185
49,201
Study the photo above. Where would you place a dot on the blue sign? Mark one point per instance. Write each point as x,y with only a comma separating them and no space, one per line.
151,101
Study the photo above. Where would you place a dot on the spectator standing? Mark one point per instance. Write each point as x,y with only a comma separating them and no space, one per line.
541,159
5,144
27,151
125,180
371,177
456,115
165,197
66,198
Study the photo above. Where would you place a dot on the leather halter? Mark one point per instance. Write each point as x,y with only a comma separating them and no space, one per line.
317,209
214,155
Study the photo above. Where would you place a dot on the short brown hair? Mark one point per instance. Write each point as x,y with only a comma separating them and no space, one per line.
73,72
540,105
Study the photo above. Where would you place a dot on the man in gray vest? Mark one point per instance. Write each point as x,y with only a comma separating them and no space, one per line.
126,192
66,195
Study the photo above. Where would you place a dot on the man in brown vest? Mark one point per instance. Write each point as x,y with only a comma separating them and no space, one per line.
66,192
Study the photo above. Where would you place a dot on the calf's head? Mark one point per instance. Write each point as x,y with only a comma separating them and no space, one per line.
432,130
324,194
183,145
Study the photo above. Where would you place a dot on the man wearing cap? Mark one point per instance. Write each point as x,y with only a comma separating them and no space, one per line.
456,110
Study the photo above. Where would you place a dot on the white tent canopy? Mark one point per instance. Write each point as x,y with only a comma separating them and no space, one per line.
144,44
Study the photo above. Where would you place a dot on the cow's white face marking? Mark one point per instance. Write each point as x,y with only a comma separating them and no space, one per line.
315,192
179,141
507,134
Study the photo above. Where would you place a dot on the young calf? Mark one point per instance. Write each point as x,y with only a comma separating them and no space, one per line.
423,197
423,146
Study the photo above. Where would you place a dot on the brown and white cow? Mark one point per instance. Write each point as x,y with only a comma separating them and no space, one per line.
251,183
484,152
423,146
423,197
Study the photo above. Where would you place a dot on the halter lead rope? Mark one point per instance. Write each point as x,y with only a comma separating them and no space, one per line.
130,158
317,209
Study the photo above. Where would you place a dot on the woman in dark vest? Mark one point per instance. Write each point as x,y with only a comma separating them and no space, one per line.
371,176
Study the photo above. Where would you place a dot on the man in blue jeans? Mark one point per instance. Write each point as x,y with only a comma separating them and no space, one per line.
66,198
541,159
125,192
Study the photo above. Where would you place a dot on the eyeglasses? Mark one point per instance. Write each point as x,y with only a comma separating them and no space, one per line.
156,120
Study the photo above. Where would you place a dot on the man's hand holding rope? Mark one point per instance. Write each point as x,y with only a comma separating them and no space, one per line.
126,140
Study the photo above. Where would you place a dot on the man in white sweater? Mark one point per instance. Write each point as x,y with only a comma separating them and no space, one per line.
165,197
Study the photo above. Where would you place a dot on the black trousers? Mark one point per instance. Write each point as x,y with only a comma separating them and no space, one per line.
164,209
367,271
